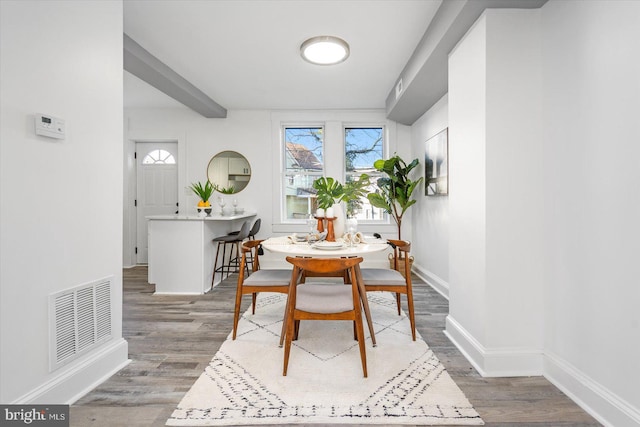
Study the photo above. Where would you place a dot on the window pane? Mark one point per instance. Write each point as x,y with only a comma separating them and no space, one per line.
300,200
159,157
363,146
303,164
361,208
303,149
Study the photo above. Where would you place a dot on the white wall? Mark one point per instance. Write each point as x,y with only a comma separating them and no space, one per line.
430,215
496,245
467,189
256,135
199,139
543,154
61,210
591,69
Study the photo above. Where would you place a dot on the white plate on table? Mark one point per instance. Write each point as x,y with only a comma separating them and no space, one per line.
328,246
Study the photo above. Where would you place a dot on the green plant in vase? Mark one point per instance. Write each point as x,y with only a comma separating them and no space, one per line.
353,192
328,191
396,189
204,192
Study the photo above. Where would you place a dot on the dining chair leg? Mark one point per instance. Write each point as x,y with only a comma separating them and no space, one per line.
398,303
236,312
412,315
365,304
295,276
363,351
283,331
254,297
288,338
296,330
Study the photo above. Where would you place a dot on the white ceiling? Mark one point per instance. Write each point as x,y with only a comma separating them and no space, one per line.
244,54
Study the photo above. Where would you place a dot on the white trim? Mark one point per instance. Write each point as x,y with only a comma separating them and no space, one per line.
496,362
431,279
77,379
186,293
605,406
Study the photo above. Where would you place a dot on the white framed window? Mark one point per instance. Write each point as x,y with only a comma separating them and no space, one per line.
363,145
159,157
303,150
289,183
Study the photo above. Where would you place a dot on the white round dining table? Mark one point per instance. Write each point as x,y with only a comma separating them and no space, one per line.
288,246
304,249
281,245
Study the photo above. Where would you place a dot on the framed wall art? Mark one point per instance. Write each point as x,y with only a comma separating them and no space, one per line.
436,161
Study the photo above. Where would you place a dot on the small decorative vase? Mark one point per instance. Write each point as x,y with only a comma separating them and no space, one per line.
328,213
338,223
320,213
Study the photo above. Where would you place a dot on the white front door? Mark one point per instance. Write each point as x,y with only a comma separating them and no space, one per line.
157,187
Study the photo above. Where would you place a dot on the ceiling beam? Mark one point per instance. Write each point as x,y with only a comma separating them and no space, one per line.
424,80
147,67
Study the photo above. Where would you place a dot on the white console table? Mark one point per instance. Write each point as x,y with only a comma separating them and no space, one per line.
181,251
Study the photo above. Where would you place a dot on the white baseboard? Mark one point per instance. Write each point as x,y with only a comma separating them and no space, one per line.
80,377
495,362
441,286
605,406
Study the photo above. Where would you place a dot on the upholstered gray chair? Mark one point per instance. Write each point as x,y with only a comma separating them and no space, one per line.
318,301
392,280
259,280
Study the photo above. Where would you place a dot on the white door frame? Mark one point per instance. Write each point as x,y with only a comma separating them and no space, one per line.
129,211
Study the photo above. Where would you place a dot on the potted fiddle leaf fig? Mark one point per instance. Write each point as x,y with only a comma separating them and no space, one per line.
395,189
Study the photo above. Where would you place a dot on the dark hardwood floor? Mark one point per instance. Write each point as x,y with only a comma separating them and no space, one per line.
172,339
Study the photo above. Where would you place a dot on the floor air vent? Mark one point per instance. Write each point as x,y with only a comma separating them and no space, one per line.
80,319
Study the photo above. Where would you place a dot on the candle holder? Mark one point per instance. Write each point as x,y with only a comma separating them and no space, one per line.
331,237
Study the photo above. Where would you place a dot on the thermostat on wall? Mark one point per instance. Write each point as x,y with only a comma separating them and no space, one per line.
49,126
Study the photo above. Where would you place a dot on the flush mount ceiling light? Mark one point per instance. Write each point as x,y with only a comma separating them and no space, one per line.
324,50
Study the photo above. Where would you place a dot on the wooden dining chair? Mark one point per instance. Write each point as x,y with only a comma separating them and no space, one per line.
392,280
272,280
323,301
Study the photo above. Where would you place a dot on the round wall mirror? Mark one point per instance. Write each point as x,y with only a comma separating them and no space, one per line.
229,171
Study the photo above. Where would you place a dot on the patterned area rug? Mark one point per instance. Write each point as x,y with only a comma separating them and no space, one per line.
243,384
